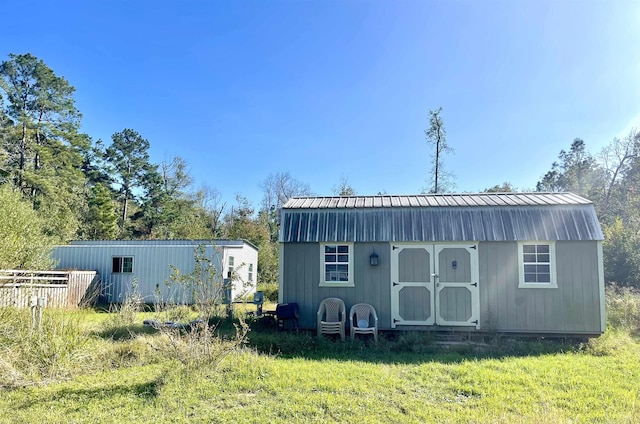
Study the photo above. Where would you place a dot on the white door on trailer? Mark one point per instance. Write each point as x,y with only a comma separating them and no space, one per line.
434,284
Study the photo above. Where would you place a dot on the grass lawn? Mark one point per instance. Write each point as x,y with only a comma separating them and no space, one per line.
298,378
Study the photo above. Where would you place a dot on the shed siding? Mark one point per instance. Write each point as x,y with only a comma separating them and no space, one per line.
301,280
573,307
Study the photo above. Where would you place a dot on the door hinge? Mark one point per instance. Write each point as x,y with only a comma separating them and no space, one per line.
475,284
395,284
395,247
395,321
474,322
474,247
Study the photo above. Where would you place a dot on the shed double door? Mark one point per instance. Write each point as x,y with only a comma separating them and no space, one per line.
434,284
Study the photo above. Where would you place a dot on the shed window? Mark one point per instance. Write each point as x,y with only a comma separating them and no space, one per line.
122,264
537,263
337,264
250,272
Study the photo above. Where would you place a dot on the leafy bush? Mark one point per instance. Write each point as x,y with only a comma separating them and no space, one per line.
621,250
23,243
270,291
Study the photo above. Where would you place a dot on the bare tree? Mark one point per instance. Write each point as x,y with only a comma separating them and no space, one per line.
436,136
616,159
343,188
175,176
280,187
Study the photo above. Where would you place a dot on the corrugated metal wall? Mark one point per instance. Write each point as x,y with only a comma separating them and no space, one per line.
151,270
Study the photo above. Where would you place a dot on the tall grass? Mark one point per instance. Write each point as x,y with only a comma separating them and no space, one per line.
47,352
72,343
623,309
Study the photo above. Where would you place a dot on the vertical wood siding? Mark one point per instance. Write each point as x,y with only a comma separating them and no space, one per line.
83,288
301,280
573,307
70,294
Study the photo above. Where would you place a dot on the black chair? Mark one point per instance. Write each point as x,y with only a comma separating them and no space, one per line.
287,312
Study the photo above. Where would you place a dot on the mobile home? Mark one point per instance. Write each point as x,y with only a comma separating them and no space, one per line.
145,266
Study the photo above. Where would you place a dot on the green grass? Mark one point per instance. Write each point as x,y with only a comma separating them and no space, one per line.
299,378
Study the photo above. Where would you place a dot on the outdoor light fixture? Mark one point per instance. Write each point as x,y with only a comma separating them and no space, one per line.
373,259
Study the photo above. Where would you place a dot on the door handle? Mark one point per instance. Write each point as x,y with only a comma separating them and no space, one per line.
434,275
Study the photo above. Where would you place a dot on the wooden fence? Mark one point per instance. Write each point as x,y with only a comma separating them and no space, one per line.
60,289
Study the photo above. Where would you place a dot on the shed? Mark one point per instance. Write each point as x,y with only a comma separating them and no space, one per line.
147,265
506,262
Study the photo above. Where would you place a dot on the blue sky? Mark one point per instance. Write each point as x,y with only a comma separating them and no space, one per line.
331,89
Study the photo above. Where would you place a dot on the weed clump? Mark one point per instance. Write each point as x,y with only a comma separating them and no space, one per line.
623,309
51,351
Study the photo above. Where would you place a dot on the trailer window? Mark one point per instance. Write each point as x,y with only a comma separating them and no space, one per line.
230,267
122,264
537,265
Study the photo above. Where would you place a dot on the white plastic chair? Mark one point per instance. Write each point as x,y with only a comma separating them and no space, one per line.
364,315
332,315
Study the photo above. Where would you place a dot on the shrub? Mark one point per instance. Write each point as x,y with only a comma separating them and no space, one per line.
623,309
270,291
23,242
198,344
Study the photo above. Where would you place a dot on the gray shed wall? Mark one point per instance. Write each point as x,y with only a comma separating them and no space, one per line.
572,308
301,280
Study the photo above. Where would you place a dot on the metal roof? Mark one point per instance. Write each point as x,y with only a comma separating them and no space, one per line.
155,243
436,200
440,217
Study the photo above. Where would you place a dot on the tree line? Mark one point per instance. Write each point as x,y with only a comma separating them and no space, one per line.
58,184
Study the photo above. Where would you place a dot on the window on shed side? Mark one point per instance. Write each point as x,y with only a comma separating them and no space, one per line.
537,265
122,264
250,272
337,264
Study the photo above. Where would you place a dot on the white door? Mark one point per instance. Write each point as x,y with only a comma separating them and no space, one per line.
412,284
434,284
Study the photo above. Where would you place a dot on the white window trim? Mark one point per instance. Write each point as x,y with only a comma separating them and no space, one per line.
348,283
553,284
